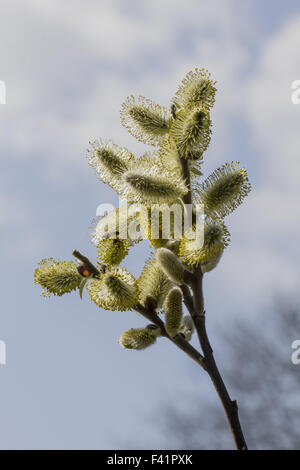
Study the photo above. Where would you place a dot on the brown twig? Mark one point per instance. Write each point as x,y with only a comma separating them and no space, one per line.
86,262
195,306
230,406
178,340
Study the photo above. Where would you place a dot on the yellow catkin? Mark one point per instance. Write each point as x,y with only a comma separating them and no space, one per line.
224,190
171,265
198,250
139,338
117,290
173,311
153,282
57,277
145,120
112,251
196,88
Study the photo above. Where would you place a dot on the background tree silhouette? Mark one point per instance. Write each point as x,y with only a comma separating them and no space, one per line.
262,376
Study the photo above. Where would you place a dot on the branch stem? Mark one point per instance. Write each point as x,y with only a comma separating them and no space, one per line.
229,405
195,306
178,340
83,259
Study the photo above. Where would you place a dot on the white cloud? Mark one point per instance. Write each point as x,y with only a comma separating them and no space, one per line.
274,119
269,225
69,65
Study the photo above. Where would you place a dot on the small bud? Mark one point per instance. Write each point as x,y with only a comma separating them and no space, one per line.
173,310
139,338
84,270
171,265
187,327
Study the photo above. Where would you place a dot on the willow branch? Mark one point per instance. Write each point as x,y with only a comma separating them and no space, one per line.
230,406
187,198
86,262
195,306
178,340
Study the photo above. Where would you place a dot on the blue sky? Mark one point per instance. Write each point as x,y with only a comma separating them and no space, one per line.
68,66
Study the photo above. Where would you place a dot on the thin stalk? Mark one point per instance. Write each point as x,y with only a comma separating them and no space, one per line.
195,306
178,340
230,406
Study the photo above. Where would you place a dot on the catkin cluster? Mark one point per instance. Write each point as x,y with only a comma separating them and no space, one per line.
153,186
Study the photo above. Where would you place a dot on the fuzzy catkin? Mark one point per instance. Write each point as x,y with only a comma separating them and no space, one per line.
173,311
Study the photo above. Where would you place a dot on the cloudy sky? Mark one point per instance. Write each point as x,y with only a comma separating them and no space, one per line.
68,65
